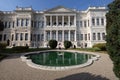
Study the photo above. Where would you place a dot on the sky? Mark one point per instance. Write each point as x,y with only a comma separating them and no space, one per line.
10,5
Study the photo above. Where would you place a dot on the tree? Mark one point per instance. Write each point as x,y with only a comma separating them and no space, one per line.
113,35
67,44
53,44
1,26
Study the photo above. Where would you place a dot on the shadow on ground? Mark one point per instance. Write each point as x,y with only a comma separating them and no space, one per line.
83,76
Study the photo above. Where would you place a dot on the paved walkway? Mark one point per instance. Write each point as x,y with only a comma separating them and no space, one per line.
12,68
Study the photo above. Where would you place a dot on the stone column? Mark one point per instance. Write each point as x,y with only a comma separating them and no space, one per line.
44,36
75,35
69,35
63,35
57,35
63,20
50,20
69,20
74,20
50,34
45,21
56,20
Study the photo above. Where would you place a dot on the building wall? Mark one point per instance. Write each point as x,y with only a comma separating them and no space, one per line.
24,26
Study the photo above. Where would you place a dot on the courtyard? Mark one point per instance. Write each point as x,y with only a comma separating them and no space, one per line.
12,68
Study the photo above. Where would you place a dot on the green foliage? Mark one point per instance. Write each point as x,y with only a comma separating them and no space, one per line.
1,26
101,46
113,35
2,46
53,44
20,48
67,44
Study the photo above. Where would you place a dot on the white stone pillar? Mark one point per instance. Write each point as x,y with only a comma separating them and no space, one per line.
63,20
56,20
44,36
50,34
69,35
57,35
74,20
45,21
69,20
75,35
51,20
63,35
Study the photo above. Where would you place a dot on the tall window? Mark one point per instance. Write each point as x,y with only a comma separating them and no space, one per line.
72,36
54,35
26,36
98,21
27,22
48,35
81,36
89,36
21,36
42,24
13,24
4,37
59,35
22,22
34,24
66,35
12,37
18,22
9,25
0,37
102,21
77,23
42,37
98,35
38,37
103,36
16,36
81,24
31,37
85,36
78,38
85,25
93,21
34,37
88,23
94,36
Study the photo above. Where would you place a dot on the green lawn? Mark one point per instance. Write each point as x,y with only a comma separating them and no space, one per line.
22,51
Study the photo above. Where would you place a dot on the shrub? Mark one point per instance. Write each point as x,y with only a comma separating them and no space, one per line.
2,46
113,35
53,44
101,46
20,48
67,44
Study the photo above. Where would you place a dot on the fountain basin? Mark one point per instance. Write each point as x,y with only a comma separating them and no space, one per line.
59,60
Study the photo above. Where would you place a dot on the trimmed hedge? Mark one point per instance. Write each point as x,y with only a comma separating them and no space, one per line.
2,46
53,44
67,44
20,48
101,46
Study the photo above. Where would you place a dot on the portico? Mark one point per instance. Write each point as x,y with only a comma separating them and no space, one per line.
60,35
60,20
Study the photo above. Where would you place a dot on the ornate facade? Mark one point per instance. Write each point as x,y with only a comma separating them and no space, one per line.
25,26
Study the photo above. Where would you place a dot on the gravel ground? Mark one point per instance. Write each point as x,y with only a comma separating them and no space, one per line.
12,68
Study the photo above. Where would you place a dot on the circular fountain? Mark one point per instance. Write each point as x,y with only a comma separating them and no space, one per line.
59,60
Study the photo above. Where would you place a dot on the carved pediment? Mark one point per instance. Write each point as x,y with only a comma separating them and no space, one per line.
60,9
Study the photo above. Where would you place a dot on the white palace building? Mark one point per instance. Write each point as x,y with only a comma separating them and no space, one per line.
25,26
